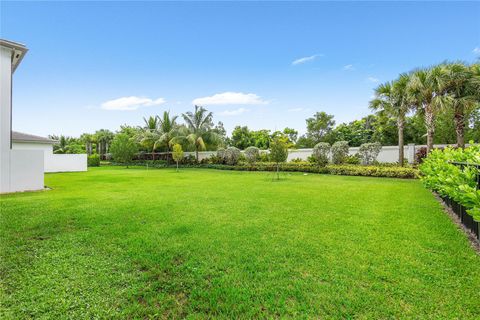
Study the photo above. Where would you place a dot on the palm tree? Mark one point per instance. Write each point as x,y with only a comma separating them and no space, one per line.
151,123
199,124
391,99
425,88
461,92
103,137
88,140
167,131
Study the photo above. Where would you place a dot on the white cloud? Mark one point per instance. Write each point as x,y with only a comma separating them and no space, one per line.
476,50
348,67
131,103
227,98
305,59
236,112
373,79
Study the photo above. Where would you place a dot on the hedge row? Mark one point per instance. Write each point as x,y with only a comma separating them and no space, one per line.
346,169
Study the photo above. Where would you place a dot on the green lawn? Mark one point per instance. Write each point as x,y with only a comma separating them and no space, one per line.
116,243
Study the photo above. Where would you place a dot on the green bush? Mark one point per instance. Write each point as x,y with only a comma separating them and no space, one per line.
456,182
352,159
321,152
339,152
368,152
252,154
232,155
93,160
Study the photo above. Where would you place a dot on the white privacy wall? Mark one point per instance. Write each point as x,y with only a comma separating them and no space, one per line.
66,162
55,162
388,154
26,170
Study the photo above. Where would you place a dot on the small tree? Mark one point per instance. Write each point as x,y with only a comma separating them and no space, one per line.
177,153
339,152
252,154
321,152
278,152
123,149
368,152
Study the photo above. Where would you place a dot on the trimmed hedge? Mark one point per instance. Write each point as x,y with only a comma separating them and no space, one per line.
345,169
93,160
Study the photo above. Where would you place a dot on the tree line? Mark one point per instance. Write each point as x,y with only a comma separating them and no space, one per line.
439,104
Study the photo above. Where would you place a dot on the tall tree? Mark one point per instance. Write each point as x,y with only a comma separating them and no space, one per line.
391,98
462,87
103,137
424,88
167,131
151,123
199,124
88,140
319,126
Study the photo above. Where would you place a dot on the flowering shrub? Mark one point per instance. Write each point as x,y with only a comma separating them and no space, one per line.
339,152
232,155
252,154
320,153
368,152
456,182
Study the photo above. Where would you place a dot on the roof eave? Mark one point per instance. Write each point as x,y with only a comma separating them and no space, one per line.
19,51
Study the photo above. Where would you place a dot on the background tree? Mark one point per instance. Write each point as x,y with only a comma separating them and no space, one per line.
219,129
391,98
177,153
292,134
278,152
242,138
88,140
123,148
319,126
166,131
199,124
424,88
103,138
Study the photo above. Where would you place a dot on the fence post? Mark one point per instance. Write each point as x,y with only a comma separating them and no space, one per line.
411,153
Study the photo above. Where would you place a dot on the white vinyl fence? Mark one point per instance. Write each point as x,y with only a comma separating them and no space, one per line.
388,154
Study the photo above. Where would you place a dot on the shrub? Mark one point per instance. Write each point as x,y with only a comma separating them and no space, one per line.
456,182
123,148
339,152
93,160
264,157
368,152
232,155
320,153
297,160
352,159
420,154
252,154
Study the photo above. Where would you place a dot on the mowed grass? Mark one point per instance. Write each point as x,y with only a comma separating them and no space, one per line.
132,243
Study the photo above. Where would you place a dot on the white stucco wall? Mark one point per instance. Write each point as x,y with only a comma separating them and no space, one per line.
55,162
26,170
388,154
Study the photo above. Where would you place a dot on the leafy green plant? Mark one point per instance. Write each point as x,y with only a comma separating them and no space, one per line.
123,148
93,160
278,152
440,174
252,154
339,152
232,155
177,153
368,152
321,152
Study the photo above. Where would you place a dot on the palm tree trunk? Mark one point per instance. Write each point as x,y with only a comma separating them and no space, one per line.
459,120
196,154
400,124
430,124
153,154
168,158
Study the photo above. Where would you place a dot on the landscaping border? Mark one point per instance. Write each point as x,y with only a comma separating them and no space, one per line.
462,219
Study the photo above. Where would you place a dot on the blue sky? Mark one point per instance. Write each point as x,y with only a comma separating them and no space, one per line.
95,65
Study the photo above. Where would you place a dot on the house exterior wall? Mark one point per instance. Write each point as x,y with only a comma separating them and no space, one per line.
5,117
55,162
26,170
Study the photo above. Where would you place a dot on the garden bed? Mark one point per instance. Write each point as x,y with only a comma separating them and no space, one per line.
390,171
